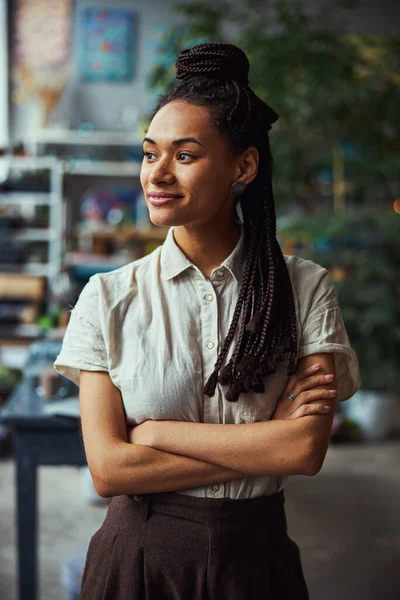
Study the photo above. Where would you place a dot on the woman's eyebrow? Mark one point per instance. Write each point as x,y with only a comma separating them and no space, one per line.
176,142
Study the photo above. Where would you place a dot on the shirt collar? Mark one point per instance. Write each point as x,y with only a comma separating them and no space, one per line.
174,261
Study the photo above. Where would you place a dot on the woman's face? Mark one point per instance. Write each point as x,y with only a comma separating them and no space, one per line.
187,158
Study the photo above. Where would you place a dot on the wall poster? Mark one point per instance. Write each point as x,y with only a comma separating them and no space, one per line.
106,45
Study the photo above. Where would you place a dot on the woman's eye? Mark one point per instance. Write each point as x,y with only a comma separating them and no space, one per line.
183,154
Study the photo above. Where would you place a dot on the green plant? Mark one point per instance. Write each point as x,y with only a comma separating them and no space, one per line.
335,91
361,249
9,377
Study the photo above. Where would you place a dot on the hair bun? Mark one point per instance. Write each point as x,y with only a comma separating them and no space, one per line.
217,60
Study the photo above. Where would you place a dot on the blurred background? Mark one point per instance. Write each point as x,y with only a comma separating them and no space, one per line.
79,80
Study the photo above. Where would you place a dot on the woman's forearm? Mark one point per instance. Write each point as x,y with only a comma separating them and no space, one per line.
136,469
280,447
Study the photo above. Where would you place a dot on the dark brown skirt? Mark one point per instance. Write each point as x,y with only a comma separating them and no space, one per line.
170,546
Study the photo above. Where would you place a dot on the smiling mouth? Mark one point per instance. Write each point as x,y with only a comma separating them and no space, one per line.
164,195
159,199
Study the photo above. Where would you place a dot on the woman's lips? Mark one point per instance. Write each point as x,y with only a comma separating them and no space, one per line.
160,200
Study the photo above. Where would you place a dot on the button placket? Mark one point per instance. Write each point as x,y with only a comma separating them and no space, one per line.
212,309
212,409
209,321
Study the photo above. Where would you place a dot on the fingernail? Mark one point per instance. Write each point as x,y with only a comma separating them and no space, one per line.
327,408
333,392
316,366
328,377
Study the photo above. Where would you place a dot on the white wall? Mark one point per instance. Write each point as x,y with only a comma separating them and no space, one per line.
102,104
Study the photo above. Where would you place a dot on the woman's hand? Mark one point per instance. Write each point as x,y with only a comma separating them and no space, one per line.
310,397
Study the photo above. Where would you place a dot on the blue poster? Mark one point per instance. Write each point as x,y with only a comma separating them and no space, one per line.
106,45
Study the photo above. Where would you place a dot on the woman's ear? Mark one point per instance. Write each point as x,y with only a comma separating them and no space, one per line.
247,168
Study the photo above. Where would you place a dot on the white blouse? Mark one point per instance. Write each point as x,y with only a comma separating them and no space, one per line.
156,326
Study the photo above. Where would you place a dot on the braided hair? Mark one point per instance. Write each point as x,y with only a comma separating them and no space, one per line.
215,76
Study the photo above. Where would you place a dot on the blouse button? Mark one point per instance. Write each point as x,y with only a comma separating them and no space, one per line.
219,273
209,297
215,487
137,497
210,345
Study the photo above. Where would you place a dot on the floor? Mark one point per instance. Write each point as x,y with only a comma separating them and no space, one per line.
345,520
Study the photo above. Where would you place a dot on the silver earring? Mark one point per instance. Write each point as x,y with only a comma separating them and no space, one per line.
238,188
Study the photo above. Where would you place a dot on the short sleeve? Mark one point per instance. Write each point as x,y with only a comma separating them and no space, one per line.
83,346
323,330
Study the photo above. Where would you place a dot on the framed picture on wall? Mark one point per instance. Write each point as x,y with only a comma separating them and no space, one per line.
106,45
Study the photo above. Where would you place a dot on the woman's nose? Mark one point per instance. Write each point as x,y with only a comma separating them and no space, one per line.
161,173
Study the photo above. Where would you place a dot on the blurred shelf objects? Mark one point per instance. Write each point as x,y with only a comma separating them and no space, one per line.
65,216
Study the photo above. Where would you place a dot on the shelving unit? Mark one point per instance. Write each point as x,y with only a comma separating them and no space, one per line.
60,199
25,331
105,168
28,198
54,232
103,147
33,235
84,138
38,269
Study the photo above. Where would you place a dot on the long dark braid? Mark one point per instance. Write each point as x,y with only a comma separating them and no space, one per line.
216,76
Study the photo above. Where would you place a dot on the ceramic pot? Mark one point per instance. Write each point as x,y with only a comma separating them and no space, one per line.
373,411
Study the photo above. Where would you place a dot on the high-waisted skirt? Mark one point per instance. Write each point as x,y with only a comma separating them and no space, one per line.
170,546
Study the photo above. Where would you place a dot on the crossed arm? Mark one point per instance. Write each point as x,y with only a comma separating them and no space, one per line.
173,455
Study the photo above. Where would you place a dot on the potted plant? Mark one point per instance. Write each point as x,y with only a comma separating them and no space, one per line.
361,249
337,92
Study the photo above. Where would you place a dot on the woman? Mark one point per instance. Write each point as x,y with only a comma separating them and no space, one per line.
209,369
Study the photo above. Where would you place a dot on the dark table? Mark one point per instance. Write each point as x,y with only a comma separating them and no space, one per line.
38,439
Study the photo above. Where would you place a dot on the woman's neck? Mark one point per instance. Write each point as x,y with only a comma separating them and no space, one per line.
207,248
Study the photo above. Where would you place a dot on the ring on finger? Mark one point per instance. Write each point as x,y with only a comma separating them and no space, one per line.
290,396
